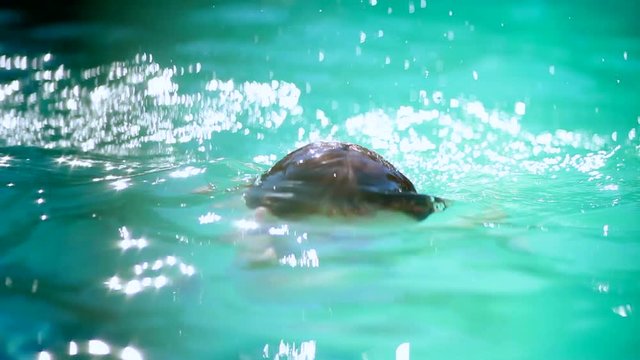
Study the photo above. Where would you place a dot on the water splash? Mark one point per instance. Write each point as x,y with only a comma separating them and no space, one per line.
128,105
459,142
305,351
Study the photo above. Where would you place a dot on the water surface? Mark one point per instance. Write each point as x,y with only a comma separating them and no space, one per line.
112,114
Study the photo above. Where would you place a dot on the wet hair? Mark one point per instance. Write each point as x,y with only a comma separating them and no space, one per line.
334,178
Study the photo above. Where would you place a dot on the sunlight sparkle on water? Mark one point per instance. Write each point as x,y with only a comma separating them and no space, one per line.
402,351
114,283
602,287
157,264
322,118
309,259
306,351
244,224
138,269
111,96
209,218
162,84
130,353
437,97
98,347
187,172
128,242
140,283
95,347
187,269
133,287
520,108
121,184
160,269
73,348
279,231
160,281
44,355
463,140
265,159
622,310
4,160
73,162
140,243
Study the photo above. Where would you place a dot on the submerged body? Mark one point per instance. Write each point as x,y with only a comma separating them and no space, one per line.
333,178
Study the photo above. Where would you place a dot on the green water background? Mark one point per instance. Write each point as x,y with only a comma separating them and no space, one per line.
557,279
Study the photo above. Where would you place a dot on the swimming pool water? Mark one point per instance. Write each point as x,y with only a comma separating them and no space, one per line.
114,117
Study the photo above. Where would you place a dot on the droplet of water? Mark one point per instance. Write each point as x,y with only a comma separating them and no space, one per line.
520,108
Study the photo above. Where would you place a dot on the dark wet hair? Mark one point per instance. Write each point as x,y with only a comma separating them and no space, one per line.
334,178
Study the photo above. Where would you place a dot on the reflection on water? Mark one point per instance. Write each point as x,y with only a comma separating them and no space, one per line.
158,269
308,258
96,348
121,107
131,104
306,351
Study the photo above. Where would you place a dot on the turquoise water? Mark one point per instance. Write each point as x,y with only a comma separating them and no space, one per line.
114,114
